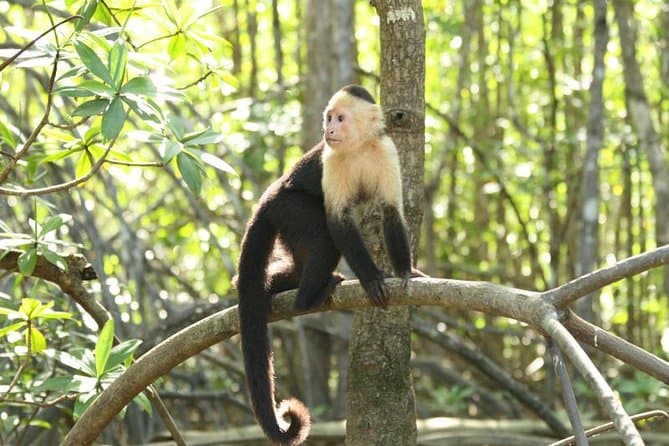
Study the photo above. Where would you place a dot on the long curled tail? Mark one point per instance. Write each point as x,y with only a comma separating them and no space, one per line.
254,308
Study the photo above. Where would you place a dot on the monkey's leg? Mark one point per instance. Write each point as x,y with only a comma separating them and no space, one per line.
318,281
282,275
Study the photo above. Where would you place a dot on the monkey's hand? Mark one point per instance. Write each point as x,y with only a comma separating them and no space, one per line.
376,291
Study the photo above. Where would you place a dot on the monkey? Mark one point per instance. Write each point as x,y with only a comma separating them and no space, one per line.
301,227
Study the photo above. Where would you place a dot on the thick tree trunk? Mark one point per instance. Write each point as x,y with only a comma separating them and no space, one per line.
380,399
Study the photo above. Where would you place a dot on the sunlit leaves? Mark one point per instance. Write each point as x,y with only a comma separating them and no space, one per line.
93,62
30,313
112,98
113,119
95,370
103,347
39,243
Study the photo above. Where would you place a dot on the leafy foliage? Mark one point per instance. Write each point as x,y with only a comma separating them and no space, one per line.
140,134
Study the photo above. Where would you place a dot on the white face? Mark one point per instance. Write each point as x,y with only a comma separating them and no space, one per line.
349,122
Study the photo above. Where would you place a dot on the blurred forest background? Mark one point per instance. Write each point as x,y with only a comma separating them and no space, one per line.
147,147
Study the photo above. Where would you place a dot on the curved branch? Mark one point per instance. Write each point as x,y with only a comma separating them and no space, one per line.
564,295
617,347
582,362
537,309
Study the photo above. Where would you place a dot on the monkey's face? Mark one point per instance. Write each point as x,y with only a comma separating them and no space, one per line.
349,122
337,127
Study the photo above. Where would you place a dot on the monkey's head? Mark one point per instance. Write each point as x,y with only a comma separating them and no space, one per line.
351,119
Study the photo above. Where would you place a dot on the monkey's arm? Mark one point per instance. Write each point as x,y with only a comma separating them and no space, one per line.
397,242
349,242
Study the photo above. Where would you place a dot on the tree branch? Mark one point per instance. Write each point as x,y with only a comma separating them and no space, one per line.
537,309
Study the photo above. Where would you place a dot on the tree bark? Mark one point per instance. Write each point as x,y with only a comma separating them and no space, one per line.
380,398
595,131
639,112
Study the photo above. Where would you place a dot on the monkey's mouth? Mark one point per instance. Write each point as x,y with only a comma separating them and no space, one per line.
332,140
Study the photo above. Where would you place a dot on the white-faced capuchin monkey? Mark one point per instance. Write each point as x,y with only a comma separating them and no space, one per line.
304,224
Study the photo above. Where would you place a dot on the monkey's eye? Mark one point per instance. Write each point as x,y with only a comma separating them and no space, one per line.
340,118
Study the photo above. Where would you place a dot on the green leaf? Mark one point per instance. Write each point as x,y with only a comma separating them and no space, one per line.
14,243
33,308
73,91
12,328
51,224
103,347
93,62
113,119
86,12
90,108
177,46
170,149
27,261
69,360
141,85
143,401
190,172
217,163
98,88
83,403
35,339
123,352
206,136
118,58
54,258
83,164
142,108
6,135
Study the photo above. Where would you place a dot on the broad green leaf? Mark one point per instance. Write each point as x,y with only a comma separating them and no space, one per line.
54,258
90,108
27,261
113,119
177,127
51,224
12,328
86,12
141,85
122,352
61,154
93,62
6,135
83,164
206,136
103,347
73,91
217,163
35,339
177,46
190,172
9,311
33,308
69,360
118,58
14,243
170,149
64,384
143,108
98,88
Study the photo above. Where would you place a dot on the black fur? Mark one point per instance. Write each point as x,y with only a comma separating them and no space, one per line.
359,92
291,224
